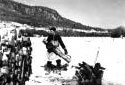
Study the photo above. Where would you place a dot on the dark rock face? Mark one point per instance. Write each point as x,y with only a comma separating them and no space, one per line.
32,15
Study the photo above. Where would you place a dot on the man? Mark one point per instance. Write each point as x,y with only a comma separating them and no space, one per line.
98,71
52,44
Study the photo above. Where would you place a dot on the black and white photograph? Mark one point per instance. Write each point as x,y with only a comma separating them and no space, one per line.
62,42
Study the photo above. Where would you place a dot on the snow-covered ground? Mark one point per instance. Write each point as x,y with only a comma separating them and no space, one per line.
111,56
109,52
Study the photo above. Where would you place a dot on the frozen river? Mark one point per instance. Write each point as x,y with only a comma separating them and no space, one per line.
110,52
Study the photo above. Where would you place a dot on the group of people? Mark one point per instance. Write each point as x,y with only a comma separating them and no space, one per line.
89,75
92,74
15,58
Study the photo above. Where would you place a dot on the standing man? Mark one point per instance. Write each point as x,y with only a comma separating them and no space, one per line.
52,44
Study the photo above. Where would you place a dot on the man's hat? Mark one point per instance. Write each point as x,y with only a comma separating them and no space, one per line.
84,63
98,65
53,28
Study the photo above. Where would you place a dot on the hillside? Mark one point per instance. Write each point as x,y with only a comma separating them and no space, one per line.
37,16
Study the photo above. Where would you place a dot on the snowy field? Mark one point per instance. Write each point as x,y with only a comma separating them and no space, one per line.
111,56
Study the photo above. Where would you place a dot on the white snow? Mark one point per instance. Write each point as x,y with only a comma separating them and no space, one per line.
111,55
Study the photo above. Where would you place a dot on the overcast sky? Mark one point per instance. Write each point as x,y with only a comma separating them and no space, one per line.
97,13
